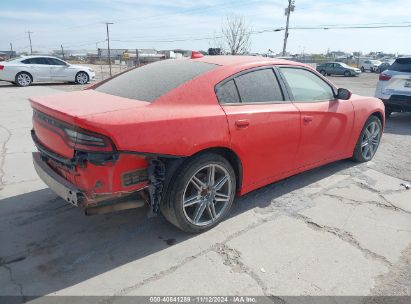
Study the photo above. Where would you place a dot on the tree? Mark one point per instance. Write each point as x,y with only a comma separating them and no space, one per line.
235,36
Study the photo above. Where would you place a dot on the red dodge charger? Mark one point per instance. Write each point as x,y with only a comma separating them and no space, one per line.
186,136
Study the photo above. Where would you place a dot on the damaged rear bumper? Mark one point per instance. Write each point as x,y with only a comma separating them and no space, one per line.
76,196
55,182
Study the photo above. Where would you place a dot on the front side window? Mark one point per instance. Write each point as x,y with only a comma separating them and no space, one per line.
306,86
53,61
259,86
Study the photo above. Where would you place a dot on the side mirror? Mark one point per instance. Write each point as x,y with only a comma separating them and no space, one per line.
343,94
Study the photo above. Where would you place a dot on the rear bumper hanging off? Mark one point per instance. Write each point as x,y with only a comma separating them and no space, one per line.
58,184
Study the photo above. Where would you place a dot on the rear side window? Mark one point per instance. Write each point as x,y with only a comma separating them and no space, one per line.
151,81
259,86
401,65
227,93
35,61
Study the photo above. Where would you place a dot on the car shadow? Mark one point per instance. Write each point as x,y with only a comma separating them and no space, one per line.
398,123
50,245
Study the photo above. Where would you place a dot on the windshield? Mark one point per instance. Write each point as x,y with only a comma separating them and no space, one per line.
153,80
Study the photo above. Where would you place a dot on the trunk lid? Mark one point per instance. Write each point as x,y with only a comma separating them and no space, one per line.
52,112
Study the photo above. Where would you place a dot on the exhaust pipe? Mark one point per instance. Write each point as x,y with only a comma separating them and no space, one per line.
114,207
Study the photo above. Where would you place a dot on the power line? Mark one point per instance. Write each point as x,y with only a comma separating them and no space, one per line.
256,32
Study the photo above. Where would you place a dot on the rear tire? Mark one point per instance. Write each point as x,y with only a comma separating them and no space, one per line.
362,69
195,202
368,141
23,79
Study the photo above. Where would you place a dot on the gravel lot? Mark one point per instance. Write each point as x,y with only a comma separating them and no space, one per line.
342,229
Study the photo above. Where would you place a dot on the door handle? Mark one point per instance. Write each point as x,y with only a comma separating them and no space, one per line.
307,119
242,123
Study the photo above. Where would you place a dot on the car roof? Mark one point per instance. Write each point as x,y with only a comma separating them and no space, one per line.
227,60
37,56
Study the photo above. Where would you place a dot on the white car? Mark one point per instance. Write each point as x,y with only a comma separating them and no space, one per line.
394,86
22,71
370,65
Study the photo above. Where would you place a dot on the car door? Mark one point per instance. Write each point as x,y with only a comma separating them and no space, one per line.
264,127
330,68
59,70
38,67
338,69
326,122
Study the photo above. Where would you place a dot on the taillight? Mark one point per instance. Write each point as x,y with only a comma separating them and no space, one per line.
80,139
1,67
76,138
384,77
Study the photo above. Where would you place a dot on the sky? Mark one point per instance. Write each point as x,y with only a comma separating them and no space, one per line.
190,24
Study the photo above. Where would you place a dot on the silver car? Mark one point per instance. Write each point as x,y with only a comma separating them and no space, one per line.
23,71
394,86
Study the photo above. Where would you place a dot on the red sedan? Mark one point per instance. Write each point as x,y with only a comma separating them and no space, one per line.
186,136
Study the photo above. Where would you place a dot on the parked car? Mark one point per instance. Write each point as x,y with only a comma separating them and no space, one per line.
186,136
394,86
23,71
337,68
370,65
385,65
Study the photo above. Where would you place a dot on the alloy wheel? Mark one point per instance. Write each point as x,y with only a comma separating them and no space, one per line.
82,78
23,79
370,140
207,195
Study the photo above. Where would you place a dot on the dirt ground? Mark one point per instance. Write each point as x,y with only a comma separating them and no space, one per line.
342,229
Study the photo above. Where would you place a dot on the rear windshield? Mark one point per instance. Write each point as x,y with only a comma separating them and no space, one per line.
151,81
401,65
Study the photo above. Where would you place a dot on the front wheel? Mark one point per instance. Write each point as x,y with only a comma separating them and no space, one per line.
82,78
201,194
362,69
322,72
347,73
369,140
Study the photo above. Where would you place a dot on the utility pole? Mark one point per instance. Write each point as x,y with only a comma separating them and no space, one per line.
288,11
11,50
108,46
62,51
31,48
